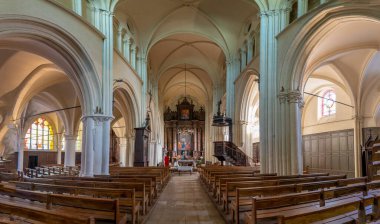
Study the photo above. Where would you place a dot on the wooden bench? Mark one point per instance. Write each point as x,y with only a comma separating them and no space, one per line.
230,190
241,202
321,196
41,214
83,206
126,196
224,181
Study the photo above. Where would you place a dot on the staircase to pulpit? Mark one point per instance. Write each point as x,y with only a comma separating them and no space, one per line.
228,152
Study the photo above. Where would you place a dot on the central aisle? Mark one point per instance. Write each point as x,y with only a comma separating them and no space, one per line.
184,201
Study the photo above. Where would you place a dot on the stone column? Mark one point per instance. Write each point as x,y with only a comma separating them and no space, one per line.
58,138
98,145
123,151
282,146
87,156
120,38
232,72
296,159
131,150
103,20
243,58
250,49
357,144
133,56
106,123
302,7
126,48
272,22
77,6
16,129
70,145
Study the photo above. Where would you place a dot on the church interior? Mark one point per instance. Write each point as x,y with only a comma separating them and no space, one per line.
189,111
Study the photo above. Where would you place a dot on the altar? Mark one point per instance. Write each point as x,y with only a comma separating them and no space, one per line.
184,131
185,166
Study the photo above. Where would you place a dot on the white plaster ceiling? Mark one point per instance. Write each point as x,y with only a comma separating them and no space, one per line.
348,55
201,34
28,79
221,20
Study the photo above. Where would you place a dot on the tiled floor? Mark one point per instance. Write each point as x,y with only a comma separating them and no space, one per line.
184,201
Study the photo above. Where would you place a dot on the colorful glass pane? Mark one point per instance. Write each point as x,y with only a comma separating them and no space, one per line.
328,103
39,136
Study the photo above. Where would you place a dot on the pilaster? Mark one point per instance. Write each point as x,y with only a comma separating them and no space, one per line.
272,22
302,7
95,145
70,145
296,104
77,6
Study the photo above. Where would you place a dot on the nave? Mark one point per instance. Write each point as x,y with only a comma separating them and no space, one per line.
184,201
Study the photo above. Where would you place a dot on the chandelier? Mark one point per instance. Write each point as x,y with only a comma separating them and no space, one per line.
185,131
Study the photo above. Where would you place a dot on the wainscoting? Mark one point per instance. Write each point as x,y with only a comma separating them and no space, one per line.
331,152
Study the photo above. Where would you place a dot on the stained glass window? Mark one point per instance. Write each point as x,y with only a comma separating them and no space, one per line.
328,106
39,136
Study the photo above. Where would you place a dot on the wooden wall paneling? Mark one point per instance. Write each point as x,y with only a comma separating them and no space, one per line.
331,152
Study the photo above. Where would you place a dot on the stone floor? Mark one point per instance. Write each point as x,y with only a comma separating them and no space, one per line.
184,201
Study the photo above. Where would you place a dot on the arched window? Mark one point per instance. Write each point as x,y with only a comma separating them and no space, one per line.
39,136
328,105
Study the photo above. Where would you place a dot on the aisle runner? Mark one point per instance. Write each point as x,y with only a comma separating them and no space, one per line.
184,201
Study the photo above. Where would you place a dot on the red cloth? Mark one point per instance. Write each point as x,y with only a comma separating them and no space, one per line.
166,161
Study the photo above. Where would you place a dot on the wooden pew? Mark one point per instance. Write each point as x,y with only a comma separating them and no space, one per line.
230,190
41,214
97,204
307,198
241,202
149,181
126,196
82,206
139,187
221,185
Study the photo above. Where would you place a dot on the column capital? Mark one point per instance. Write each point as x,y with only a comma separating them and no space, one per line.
99,118
274,12
283,97
295,96
70,136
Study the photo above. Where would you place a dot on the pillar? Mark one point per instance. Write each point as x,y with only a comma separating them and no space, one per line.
77,6
233,70
250,49
87,155
106,125
123,152
243,58
120,38
273,21
296,159
126,47
302,7
131,150
58,138
357,144
70,145
133,56
103,21
17,130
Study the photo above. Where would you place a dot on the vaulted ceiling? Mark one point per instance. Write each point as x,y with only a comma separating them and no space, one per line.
348,56
200,35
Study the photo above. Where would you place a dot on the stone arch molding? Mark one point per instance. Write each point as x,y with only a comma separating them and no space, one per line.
59,46
293,66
